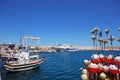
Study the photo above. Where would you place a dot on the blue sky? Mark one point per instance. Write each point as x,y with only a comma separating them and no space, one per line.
58,21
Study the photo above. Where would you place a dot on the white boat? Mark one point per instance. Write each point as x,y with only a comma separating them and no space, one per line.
23,61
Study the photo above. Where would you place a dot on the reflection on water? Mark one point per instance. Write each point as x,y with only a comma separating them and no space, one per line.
24,75
57,66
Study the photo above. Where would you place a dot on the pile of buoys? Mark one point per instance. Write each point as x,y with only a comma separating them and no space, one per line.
101,67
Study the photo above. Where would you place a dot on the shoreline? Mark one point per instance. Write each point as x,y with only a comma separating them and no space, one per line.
53,48
86,47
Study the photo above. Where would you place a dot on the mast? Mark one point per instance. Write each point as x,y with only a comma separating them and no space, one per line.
21,38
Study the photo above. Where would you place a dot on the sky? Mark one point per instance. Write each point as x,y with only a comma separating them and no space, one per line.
58,21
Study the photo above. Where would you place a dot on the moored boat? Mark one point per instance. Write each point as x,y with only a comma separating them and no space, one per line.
23,62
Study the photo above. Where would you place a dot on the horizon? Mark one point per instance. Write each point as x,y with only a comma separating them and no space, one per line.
58,21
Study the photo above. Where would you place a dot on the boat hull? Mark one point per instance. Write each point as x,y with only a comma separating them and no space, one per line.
22,67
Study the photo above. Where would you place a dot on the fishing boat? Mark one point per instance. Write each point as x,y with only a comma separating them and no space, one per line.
23,61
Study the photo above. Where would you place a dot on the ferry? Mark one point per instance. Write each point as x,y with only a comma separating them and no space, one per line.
65,48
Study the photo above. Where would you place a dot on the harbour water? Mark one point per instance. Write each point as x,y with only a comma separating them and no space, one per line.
57,66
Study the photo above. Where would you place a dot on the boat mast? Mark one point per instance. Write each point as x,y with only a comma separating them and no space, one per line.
21,38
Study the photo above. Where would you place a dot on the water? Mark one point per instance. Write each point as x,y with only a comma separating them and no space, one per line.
57,66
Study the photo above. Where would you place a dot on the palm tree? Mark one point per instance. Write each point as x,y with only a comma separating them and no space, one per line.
96,29
119,37
93,38
92,31
107,32
100,41
118,40
111,38
119,29
105,41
